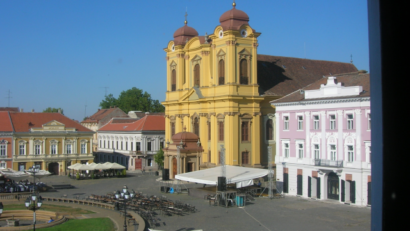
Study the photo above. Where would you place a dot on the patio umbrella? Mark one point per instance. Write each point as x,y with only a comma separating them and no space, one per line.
40,174
14,175
74,166
84,167
101,167
114,165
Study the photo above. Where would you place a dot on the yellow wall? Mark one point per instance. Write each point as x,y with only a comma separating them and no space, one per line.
231,102
46,157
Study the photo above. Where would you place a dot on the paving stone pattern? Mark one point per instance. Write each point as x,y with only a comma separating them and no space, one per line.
289,213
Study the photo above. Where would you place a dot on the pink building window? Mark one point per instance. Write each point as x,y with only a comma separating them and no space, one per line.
300,151
350,153
300,122
332,122
369,122
350,122
316,122
286,123
316,151
332,152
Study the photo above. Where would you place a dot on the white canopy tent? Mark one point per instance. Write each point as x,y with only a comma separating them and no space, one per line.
74,166
40,174
113,165
242,176
14,175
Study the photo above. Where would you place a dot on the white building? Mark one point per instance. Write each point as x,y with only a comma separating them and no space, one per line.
131,142
324,141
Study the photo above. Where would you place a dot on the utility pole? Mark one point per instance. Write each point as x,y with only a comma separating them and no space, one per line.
8,98
105,90
85,112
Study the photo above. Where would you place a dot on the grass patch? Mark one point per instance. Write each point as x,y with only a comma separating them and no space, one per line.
52,208
95,224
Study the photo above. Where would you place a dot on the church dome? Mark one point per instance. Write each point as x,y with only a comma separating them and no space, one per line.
233,19
185,137
184,33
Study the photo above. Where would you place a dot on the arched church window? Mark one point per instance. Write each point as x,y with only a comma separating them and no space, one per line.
173,80
221,72
244,72
269,129
196,76
196,126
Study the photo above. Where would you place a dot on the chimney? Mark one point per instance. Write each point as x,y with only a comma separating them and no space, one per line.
147,113
32,110
99,109
59,110
21,109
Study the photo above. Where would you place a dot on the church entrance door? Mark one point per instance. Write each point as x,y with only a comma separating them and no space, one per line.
174,167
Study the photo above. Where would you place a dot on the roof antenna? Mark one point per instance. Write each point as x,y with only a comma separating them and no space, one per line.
305,48
233,4
186,15
351,59
8,98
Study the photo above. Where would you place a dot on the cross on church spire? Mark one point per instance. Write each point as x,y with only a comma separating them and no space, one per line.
186,15
233,4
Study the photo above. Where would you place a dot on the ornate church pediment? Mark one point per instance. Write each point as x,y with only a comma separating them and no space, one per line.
193,94
53,125
221,53
244,52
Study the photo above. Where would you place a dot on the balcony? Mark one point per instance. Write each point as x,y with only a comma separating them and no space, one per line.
329,163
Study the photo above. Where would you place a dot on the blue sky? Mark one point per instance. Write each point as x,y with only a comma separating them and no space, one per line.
63,53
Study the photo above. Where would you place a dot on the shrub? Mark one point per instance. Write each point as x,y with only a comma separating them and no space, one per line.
77,176
124,172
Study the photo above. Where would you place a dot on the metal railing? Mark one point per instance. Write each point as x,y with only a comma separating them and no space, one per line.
329,163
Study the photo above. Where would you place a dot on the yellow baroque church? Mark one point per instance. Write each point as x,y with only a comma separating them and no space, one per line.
213,91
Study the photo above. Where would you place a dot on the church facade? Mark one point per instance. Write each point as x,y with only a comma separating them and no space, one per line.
220,88
213,92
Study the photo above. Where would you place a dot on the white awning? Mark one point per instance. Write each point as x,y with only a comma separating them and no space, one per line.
242,176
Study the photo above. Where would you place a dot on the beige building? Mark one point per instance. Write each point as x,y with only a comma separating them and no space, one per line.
50,141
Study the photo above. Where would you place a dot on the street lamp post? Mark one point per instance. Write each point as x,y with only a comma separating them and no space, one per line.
33,202
1,208
197,154
124,195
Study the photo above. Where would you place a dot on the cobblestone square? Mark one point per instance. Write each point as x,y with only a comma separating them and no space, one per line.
289,213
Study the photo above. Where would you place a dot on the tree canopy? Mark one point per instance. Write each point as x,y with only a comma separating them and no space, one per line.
52,109
133,99
159,158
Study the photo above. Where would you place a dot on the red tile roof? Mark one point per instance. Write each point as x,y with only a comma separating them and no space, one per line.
147,123
346,79
5,122
24,121
101,114
9,109
280,76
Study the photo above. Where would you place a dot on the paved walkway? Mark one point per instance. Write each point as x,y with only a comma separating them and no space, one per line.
290,213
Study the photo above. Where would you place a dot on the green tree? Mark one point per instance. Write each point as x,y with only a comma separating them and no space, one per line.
54,110
133,99
109,101
159,158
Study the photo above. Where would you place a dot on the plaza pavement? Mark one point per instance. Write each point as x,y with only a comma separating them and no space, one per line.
290,213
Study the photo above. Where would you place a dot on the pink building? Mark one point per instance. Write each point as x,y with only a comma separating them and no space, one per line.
323,139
